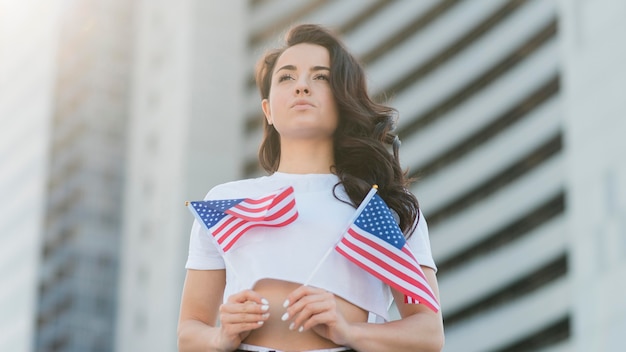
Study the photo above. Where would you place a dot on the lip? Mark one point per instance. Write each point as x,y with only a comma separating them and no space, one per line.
302,104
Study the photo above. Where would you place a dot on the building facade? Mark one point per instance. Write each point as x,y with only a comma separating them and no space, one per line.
594,110
477,87
79,253
65,67
27,74
185,136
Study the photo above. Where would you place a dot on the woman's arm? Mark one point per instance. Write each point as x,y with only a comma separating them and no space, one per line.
201,305
420,329
202,295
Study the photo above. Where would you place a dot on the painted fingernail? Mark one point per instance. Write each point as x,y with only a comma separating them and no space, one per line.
286,303
265,307
264,301
301,329
260,322
292,325
285,316
265,316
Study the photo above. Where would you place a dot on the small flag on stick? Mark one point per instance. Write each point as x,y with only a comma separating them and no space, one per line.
228,219
375,243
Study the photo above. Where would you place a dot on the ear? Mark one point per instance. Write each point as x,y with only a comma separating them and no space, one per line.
265,105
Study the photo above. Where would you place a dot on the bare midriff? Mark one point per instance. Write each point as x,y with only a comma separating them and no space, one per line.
275,332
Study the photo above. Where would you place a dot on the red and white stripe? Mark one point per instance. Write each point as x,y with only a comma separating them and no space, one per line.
275,210
396,267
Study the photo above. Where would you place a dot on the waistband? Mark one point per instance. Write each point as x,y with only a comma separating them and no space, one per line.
244,347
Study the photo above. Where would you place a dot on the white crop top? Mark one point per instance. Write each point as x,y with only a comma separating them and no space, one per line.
292,252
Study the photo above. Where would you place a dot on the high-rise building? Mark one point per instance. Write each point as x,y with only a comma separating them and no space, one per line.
594,110
185,136
500,153
65,68
477,87
78,268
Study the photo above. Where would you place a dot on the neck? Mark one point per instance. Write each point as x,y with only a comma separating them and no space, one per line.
306,156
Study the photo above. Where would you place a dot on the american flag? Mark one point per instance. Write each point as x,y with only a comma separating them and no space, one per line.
228,219
375,243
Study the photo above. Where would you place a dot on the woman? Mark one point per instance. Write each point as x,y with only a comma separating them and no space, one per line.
325,138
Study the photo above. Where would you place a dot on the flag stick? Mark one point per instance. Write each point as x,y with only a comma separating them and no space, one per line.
358,211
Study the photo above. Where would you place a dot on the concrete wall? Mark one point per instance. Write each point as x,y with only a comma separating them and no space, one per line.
28,36
594,76
184,138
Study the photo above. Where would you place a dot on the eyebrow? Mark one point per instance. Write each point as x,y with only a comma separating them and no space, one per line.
313,69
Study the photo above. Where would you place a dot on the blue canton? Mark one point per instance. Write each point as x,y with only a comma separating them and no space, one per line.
212,211
378,220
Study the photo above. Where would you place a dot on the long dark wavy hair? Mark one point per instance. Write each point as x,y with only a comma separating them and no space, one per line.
363,134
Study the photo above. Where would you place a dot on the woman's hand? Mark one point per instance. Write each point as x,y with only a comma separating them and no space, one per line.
314,308
243,312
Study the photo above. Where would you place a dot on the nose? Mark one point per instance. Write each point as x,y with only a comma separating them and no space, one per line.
302,88
304,91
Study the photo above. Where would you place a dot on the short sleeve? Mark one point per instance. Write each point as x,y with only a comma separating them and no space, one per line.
420,243
203,253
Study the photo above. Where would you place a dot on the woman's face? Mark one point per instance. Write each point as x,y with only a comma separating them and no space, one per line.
301,103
